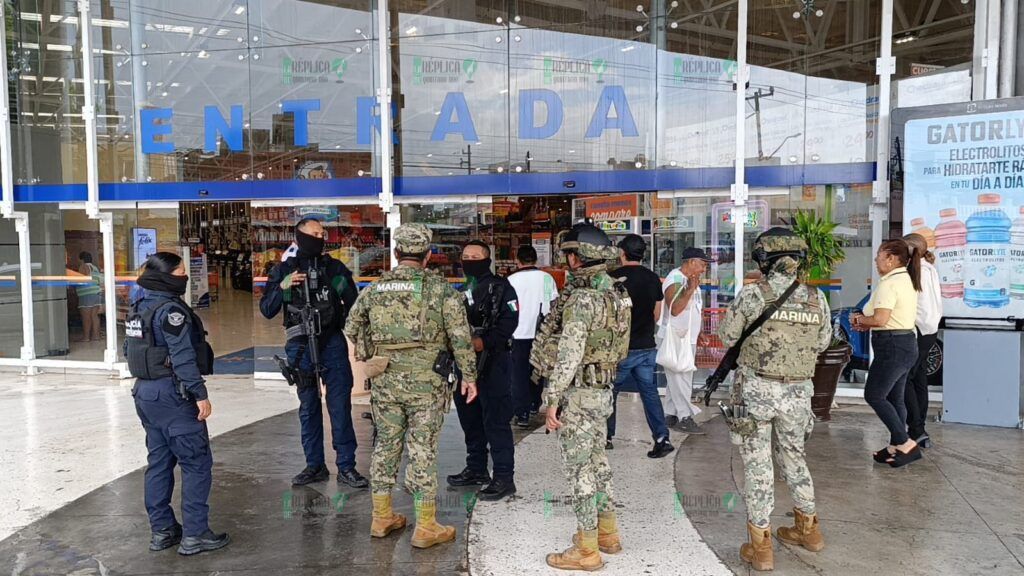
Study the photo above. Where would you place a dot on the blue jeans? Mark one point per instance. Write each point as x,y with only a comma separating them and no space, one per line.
337,376
639,365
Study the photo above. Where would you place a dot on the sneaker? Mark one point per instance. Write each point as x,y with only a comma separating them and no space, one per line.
661,449
671,420
608,445
523,422
689,426
311,474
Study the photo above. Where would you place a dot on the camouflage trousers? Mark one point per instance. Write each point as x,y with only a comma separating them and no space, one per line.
582,438
783,415
419,427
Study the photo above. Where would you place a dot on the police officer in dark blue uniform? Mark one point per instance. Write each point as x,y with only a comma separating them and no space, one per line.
493,310
333,292
167,352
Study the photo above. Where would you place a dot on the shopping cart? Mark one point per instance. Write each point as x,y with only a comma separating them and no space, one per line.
710,348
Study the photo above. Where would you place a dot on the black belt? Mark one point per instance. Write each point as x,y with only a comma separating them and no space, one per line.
881,333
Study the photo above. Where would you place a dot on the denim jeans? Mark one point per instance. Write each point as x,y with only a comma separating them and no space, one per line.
639,365
895,355
917,387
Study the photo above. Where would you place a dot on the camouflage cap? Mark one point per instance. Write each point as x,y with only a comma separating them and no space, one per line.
412,238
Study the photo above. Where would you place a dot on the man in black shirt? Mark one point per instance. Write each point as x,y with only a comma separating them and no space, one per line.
644,287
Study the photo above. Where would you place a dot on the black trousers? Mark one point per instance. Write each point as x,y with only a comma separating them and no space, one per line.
895,355
916,395
486,422
525,394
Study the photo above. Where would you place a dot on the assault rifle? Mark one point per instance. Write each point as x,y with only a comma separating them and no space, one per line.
490,319
730,360
308,326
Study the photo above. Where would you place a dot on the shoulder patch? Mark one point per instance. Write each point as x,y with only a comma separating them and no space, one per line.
176,318
175,321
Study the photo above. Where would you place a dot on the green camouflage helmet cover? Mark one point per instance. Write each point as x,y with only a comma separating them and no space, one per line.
777,242
412,238
590,242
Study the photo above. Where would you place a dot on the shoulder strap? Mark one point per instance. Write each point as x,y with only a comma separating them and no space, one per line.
771,309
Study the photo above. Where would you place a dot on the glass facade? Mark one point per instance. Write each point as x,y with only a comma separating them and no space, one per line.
220,123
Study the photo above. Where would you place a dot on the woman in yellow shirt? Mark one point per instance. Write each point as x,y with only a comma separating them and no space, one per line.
890,314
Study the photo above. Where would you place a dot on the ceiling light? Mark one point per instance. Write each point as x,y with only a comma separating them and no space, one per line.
240,10
411,31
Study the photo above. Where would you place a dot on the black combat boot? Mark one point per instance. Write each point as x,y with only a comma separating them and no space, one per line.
311,474
164,539
208,541
469,478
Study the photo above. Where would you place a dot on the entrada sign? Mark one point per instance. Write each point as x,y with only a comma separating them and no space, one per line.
611,112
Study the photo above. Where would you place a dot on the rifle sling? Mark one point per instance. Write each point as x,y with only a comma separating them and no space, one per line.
771,309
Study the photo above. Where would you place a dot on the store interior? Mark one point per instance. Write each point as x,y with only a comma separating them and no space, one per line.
232,246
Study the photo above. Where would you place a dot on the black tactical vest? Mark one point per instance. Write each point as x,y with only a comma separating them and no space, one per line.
148,361
323,296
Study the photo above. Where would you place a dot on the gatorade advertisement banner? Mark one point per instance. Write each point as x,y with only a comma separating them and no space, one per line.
963,181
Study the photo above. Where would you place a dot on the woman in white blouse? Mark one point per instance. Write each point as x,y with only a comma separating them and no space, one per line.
929,312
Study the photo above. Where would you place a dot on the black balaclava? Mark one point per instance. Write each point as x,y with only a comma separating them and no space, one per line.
477,268
309,246
163,282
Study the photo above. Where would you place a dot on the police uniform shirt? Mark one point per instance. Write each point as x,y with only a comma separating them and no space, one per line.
507,316
173,327
335,276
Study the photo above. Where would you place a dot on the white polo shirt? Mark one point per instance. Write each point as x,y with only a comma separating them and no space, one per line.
535,289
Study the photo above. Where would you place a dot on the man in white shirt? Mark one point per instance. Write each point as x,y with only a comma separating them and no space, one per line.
683,299
536,290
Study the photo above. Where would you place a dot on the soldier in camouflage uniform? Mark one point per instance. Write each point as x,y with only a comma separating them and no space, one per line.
400,323
594,338
776,364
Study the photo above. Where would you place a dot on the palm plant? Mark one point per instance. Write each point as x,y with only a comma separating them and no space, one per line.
824,248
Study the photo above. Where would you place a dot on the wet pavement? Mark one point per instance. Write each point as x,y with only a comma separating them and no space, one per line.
959,511
275,528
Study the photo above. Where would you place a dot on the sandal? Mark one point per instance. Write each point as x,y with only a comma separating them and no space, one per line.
882,456
900,459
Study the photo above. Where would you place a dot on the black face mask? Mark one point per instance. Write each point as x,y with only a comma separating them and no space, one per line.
309,246
163,282
477,268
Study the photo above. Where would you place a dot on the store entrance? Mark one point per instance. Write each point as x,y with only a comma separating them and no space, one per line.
217,239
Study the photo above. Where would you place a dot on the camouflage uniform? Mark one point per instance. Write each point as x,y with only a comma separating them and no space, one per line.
774,381
594,338
409,315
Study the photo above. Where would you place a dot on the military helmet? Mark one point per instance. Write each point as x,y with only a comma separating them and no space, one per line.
590,242
412,238
777,242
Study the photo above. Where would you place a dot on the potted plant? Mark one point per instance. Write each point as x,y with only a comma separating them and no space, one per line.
824,253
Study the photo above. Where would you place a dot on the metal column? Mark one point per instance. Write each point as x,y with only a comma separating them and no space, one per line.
92,202
739,188
386,138
885,67
28,347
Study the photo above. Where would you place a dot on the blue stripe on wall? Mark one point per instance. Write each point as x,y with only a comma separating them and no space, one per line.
482,184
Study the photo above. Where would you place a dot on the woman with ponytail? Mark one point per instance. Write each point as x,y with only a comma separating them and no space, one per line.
929,313
890,314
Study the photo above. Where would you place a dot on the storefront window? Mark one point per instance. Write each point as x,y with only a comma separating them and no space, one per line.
356,235
67,284
813,83
11,324
452,225
697,100
138,233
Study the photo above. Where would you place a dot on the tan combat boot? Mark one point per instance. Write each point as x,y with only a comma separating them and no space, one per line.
758,552
806,532
583,554
385,521
607,534
428,532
